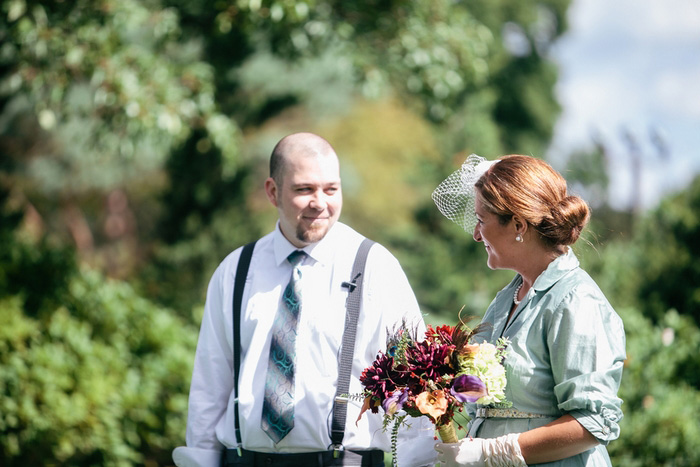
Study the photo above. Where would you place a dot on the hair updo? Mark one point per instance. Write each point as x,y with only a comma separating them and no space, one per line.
531,189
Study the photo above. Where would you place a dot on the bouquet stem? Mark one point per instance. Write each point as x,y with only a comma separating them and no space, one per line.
448,433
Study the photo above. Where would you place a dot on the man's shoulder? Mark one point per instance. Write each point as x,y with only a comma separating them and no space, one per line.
262,243
352,239
345,233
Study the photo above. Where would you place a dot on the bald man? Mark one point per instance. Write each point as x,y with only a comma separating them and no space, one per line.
289,366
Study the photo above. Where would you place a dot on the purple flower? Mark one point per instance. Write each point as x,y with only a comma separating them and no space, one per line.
395,401
468,388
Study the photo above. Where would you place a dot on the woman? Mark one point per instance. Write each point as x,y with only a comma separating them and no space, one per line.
567,344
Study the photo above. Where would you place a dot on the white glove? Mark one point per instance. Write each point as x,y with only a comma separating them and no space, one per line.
503,451
196,457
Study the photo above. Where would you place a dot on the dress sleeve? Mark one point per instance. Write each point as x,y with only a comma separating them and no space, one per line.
586,343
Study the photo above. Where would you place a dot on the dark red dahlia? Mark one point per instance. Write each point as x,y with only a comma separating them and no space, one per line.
430,361
381,378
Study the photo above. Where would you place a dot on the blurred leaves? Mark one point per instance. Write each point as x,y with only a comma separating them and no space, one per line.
97,96
91,373
386,152
670,272
135,137
102,380
651,277
661,398
661,250
112,85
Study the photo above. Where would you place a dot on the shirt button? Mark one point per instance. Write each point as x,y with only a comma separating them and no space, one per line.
268,460
606,430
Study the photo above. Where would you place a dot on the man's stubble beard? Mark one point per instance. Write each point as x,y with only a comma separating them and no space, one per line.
311,235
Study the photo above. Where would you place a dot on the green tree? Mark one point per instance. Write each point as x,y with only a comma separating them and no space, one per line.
660,392
109,86
140,132
649,278
90,372
206,218
670,273
100,381
96,96
660,271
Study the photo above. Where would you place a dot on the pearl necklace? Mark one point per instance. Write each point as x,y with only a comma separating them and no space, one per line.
515,295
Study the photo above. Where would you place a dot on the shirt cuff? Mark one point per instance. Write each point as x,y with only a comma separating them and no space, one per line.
196,457
602,425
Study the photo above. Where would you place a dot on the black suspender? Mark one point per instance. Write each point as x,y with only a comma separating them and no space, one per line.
352,306
238,286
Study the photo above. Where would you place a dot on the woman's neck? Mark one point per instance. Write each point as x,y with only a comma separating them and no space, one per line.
536,263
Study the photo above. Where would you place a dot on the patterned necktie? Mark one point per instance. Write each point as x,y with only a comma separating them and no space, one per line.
278,406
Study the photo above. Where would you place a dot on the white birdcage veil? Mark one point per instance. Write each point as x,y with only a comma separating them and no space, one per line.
455,196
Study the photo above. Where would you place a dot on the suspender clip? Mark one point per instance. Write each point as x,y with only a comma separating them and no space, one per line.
351,285
336,450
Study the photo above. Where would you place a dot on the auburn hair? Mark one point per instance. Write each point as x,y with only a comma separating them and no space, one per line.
531,189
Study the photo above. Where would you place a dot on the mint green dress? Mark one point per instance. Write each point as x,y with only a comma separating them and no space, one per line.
566,356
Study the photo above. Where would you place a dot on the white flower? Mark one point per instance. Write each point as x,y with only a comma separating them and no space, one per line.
487,366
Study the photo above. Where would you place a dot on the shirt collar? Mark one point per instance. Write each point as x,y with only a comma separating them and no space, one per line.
321,252
282,247
557,269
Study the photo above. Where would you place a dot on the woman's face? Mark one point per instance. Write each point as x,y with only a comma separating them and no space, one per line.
498,238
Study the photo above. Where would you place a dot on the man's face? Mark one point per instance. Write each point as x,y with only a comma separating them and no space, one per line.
310,198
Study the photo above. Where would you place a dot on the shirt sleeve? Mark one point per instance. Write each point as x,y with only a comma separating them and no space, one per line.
392,295
586,342
212,377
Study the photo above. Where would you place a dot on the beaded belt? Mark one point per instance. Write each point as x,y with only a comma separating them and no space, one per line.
486,412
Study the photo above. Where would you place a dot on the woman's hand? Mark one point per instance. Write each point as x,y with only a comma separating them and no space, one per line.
480,452
468,452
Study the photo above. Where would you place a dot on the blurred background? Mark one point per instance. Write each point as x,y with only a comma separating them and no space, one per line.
135,136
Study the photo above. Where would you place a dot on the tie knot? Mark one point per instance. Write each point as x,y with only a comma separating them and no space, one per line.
296,256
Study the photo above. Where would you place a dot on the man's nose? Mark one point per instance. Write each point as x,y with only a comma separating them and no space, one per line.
318,201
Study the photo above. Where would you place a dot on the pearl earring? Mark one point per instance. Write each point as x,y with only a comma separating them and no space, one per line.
519,238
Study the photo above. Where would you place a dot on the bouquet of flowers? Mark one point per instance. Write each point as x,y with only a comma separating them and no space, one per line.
434,377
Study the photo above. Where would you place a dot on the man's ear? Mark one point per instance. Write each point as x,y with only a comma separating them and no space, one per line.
271,191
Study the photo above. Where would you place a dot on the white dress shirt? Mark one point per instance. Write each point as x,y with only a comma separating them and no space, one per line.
387,301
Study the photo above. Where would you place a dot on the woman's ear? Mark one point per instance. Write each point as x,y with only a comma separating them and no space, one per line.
519,225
